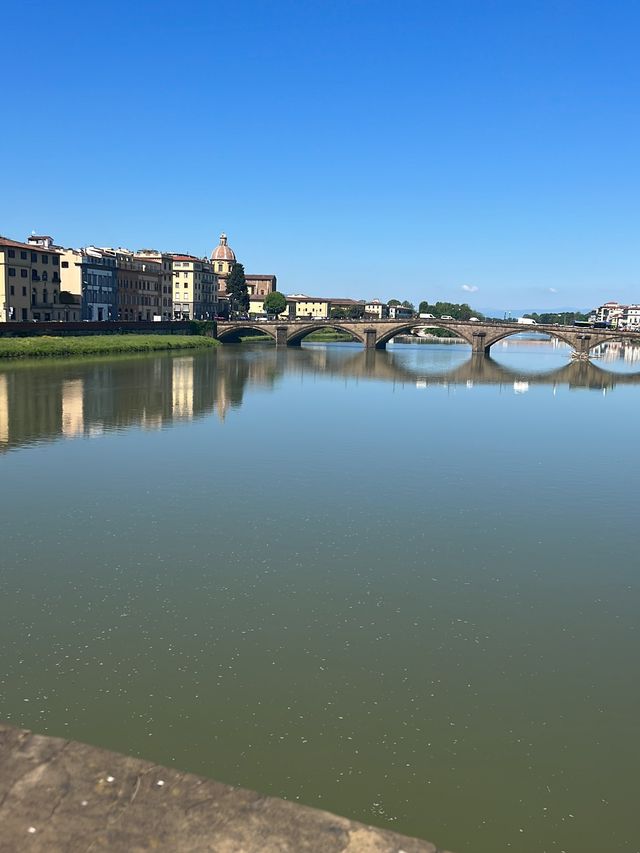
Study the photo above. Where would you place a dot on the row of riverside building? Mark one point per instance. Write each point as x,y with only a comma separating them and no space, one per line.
42,281
623,317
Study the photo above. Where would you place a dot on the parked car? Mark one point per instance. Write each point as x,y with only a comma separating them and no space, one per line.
446,317
474,319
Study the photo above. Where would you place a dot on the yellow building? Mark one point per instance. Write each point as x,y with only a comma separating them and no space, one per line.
308,307
256,306
30,282
195,288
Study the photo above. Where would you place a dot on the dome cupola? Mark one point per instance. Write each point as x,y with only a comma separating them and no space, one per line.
223,252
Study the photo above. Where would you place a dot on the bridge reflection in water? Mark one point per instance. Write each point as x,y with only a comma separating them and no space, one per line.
45,402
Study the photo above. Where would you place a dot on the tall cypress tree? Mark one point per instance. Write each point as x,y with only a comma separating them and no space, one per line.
237,289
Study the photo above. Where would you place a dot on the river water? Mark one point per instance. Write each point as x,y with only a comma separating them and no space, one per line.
402,586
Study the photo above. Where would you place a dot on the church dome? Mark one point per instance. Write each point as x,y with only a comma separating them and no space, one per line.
222,252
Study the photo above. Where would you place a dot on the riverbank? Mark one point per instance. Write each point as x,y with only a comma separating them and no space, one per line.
71,347
427,339
327,335
62,795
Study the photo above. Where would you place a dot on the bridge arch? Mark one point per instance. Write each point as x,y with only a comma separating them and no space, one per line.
611,339
385,337
545,330
301,330
232,334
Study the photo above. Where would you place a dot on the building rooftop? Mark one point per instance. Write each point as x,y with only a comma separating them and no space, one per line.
15,244
222,251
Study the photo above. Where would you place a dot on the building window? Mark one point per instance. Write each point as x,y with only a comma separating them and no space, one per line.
65,265
45,275
34,257
23,256
12,291
45,259
12,272
12,253
24,291
23,273
24,313
55,260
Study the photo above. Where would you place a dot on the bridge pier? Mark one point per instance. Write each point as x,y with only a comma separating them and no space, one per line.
583,348
281,336
478,344
370,336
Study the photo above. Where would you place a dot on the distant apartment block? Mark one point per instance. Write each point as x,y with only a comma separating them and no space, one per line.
92,276
30,284
623,317
194,287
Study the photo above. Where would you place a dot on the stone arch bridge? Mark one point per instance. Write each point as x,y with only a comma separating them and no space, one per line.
375,334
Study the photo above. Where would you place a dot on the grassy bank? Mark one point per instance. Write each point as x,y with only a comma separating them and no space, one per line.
69,347
329,334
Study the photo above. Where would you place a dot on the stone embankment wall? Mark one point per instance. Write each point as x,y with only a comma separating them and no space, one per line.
112,327
59,796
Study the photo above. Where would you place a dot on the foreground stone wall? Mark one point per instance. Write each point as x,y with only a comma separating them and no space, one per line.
60,796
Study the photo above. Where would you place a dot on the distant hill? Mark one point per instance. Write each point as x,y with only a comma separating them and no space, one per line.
519,312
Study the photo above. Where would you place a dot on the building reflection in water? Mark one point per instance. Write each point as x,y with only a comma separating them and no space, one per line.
47,401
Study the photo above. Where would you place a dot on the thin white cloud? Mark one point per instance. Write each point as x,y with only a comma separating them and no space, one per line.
469,288
553,290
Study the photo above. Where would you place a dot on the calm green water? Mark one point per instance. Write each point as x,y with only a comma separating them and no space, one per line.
402,586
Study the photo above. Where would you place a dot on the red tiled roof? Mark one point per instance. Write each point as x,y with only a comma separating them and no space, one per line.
14,244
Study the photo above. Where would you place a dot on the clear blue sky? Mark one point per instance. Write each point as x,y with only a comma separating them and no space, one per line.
353,148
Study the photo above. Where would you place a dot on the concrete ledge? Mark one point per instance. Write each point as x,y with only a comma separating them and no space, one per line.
60,796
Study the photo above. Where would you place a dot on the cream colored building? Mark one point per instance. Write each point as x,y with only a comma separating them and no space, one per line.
376,309
256,306
308,307
30,282
195,288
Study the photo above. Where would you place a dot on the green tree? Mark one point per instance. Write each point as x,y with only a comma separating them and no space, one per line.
561,318
409,305
237,289
394,302
459,311
275,303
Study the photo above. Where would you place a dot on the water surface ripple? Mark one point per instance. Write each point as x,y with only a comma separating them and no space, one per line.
401,585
